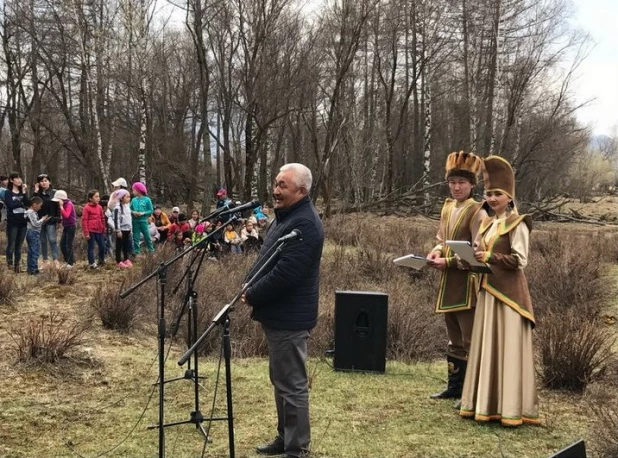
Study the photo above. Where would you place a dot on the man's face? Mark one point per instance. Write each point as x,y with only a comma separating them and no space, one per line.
5,183
44,184
286,192
460,188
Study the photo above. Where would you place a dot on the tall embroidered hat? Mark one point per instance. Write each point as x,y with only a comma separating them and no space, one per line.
465,165
498,176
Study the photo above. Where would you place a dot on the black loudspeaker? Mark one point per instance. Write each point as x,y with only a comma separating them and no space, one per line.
360,331
576,450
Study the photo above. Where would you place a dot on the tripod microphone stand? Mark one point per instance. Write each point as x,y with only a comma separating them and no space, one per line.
223,319
161,274
190,306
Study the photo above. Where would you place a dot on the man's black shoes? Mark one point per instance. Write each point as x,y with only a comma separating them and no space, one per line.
273,448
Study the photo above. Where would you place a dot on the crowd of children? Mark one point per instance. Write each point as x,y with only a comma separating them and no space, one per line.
121,223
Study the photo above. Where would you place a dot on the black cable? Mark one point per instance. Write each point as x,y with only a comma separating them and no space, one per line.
112,404
132,430
105,452
214,399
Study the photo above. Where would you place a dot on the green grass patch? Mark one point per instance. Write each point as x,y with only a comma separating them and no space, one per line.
96,407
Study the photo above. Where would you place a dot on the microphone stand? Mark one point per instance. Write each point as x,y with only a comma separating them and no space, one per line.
192,373
223,319
161,274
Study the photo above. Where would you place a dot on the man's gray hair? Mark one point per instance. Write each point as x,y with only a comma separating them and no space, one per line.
302,174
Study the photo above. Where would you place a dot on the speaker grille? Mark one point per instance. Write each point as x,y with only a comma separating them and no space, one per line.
360,331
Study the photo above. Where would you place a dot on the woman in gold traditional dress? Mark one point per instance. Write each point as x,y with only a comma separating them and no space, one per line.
500,380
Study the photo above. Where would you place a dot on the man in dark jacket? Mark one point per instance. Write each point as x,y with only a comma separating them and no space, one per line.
49,235
284,299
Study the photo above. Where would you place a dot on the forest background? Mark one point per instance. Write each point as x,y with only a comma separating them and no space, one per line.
371,95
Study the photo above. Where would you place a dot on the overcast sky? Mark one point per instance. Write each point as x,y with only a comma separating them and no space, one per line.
597,79
598,76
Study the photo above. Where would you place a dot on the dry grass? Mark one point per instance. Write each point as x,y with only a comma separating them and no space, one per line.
8,287
47,340
602,401
66,276
87,408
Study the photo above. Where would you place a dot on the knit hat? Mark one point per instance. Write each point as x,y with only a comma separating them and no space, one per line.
464,165
140,187
221,192
498,176
175,209
119,194
199,228
120,183
60,196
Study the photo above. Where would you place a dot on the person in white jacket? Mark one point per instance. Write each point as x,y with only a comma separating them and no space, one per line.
123,224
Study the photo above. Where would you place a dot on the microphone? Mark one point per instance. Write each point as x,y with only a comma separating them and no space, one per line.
241,208
295,234
215,213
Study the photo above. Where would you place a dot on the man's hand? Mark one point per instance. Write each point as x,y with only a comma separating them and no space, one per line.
119,234
243,299
36,187
433,255
479,256
438,263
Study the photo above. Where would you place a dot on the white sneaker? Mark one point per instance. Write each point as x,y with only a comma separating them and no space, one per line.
94,265
68,266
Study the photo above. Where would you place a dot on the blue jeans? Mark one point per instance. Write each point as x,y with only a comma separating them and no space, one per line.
34,242
16,236
49,234
99,239
66,244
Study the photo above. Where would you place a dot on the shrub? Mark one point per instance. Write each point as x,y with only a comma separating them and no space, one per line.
569,293
115,313
604,431
47,340
564,271
360,261
573,351
414,331
66,276
217,284
8,287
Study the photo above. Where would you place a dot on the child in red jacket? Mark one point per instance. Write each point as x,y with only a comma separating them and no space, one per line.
182,226
93,225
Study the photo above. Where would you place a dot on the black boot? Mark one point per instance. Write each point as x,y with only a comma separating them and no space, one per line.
456,376
276,447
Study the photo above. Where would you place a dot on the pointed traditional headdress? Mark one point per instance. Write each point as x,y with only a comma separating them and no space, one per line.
498,176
